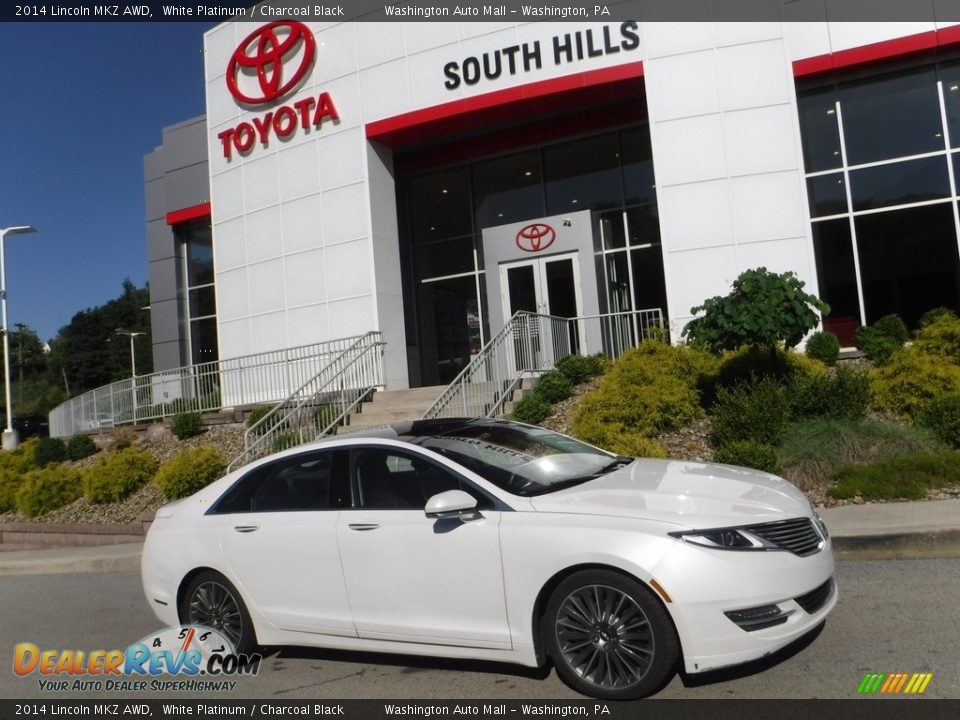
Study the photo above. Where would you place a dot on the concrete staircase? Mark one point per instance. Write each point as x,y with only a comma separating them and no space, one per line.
389,406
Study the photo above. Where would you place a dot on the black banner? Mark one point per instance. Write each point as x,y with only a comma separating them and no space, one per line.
861,709
503,11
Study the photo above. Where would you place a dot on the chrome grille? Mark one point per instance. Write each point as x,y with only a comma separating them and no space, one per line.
816,598
798,535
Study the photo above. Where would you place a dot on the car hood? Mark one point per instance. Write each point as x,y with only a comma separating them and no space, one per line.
692,495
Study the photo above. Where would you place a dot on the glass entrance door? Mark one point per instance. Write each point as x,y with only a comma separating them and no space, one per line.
546,286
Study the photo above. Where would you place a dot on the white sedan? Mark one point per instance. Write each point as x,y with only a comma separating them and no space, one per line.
494,540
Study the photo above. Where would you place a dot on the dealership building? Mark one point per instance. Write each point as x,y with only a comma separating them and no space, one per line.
428,179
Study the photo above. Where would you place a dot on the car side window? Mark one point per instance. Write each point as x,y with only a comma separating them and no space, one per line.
310,481
388,479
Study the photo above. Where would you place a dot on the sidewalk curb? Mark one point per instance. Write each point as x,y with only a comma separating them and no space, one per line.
88,559
898,546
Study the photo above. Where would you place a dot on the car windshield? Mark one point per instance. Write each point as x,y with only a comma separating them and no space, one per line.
522,459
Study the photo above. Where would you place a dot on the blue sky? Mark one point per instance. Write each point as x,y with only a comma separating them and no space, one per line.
80,105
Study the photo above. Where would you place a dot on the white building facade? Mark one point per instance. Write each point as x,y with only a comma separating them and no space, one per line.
428,179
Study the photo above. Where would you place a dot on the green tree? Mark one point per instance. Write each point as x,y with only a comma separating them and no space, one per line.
764,309
89,353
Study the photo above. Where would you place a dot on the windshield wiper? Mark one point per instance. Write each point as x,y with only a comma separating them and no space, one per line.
619,462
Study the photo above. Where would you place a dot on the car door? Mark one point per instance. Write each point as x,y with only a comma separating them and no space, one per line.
411,578
278,534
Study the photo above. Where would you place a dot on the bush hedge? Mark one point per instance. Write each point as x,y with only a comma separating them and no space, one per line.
186,425
940,338
531,409
941,415
750,454
118,475
824,346
553,386
258,413
48,488
80,447
843,395
913,377
757,409
882,339
49,450
580,368
9,484
190,471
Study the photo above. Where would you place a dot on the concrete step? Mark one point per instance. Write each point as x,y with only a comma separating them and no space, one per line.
395,406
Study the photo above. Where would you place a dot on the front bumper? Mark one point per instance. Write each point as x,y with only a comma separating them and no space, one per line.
706,584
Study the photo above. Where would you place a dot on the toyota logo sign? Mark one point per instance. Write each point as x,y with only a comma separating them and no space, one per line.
536,237
264,52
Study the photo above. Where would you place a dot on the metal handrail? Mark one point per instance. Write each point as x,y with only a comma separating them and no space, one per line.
320,405
207,387
530,344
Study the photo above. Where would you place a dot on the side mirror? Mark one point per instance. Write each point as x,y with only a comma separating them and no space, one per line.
452,504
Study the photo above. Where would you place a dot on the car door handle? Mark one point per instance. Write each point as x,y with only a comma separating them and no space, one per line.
246,528
363,526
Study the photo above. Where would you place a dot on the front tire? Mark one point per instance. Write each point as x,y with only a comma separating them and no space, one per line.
212,601
609,637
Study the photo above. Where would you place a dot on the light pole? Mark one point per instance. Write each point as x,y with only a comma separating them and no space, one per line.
20,327
133,366
10,438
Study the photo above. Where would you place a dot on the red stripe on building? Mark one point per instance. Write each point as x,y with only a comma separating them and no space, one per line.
493,107
190,213
874,52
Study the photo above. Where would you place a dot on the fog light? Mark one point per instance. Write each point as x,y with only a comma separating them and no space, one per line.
758,618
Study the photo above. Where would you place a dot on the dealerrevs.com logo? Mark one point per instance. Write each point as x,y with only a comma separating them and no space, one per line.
273,55
199,658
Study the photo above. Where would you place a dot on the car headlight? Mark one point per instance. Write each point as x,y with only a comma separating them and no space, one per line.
724,539
821,525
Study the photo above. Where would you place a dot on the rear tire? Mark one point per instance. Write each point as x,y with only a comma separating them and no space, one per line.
609,637
212,601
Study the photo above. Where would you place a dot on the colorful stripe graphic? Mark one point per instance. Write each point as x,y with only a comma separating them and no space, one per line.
894,683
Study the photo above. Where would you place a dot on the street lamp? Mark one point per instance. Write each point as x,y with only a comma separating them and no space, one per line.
133,366
133,360
10,438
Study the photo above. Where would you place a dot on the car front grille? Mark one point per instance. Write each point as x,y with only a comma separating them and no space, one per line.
798,535
816,598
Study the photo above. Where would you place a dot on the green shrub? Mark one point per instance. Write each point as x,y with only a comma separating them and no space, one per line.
893,327
326,414
910,379
940,338
22,459
941,415
750,362
80,447
118,475
285,440
258,413
903,477
931,316
764,309
553,387
47,489
531,409
190,471
9,484
186,425
882,339
750,454
812,451
755,410
824,346
50,450
580,368
844,394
